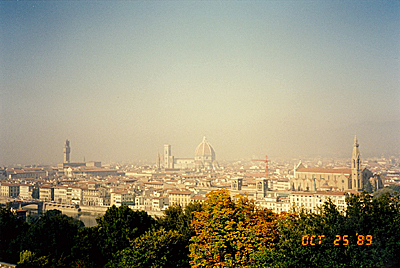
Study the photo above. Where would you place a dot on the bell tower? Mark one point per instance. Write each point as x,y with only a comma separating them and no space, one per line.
236,184
67,150
357,183
261,188
167,156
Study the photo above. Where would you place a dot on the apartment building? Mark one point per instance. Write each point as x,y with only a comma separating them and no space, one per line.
25,191
76,194
160,203
276,204
60,194
91,197
143,203
46,193
180,197
312,201
121,197
279,184
9,190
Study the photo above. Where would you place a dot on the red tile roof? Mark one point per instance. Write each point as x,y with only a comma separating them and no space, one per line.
325,170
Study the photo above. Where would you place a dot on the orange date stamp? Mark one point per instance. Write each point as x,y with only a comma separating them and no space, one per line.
340,240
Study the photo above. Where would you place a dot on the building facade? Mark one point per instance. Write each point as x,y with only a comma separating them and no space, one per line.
121,197
9,190
46,193
181,198
25,191
333,179
60,194
312,202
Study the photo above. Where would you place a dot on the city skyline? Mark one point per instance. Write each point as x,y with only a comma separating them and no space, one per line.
120,80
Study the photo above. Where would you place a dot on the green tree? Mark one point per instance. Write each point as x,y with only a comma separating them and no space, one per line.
380,218
323,226
154,249
52,235
10,227
178,219
118,226
232,234
377,218
86,251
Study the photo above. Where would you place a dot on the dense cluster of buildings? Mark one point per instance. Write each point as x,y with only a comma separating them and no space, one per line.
183,180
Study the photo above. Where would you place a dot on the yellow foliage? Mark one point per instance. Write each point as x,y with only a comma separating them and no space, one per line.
229,233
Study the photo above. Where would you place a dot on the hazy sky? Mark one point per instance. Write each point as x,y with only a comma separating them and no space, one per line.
121,79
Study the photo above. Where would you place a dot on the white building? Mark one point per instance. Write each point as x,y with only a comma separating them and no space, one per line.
312,201
279,184
276,204
76,195
9,190
121,197
60,194
25,191
160,203
91,197
143,203
46,193
180,197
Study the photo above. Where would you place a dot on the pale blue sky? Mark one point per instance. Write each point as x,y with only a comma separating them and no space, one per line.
121,79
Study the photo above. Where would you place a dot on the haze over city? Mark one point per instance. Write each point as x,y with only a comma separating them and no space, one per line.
121,79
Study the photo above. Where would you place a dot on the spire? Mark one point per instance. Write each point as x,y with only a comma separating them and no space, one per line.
357,183
356,152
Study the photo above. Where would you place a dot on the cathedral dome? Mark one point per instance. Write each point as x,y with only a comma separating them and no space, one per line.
204,151
204,156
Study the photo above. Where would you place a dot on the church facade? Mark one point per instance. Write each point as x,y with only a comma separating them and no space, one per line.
324,179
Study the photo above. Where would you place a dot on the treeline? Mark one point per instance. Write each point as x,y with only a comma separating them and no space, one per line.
222,232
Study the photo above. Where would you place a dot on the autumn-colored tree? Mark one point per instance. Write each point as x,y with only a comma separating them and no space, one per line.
231,233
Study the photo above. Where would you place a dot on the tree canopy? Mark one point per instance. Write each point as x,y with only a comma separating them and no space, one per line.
222,232
231,234
366,235
120,225
10,227
154,249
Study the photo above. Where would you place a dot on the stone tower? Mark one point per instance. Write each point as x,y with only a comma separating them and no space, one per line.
261,187
67,150
236,184
168,158
158,163
356,178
